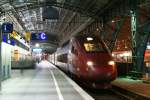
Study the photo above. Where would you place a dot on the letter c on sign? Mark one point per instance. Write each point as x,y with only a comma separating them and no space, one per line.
42,36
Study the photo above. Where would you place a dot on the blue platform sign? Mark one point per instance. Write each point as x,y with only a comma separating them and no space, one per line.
38,36
7,28
42,36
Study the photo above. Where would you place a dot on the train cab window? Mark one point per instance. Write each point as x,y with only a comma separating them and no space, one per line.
93,47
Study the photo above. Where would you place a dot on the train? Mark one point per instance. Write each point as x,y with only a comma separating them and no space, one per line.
87,58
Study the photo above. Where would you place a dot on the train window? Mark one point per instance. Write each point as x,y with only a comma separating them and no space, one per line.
93,47
74,51
62,58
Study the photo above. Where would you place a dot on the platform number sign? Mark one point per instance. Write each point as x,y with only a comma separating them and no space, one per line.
42,36
7,28
38,36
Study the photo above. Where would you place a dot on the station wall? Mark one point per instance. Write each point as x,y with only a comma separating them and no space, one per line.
6,60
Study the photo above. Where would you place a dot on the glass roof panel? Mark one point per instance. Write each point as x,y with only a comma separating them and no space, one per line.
6,6
3,2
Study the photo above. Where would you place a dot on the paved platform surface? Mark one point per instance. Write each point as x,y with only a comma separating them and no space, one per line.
44,83
136,88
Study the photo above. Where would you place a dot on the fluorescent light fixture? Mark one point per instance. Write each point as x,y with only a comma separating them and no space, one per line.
111,63
37,50
126,54
89,38
148,47
37,45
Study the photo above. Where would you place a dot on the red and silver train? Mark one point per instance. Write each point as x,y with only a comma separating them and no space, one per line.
87,58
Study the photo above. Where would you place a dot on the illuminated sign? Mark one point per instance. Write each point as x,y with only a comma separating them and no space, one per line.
4,38
43,36
8,40
37,50
38,36
7,28
148,47
14,34
27,36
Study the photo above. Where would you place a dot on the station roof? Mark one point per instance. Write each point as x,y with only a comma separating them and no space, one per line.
29,14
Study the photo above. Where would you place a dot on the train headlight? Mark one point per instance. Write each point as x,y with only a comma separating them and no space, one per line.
111,63
89,63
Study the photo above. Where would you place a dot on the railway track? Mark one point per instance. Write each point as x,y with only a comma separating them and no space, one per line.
105,94
101,94
115,93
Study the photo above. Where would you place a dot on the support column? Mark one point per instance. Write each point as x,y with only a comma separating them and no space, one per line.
0,58
139,44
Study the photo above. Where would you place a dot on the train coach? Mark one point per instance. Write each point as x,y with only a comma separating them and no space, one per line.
87,58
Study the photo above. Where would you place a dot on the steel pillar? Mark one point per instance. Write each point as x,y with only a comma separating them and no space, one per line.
1,76
139,44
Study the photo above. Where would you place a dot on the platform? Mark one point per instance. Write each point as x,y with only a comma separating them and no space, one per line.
46,82
134,88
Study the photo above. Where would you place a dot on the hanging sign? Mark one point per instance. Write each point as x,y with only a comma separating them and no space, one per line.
42,36
38,36
27,36
7,28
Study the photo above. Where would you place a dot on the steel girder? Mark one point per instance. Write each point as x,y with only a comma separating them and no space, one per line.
110,43
115,33
139,41
139,44
67,5
118,8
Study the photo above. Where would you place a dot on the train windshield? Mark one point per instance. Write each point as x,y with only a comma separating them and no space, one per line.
93,47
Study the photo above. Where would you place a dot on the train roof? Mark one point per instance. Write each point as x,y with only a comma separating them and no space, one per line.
83,37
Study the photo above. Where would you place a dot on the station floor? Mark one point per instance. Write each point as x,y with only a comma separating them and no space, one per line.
46,82
138,89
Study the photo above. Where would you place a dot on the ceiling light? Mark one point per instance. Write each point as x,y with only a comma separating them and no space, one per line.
112,21
37,45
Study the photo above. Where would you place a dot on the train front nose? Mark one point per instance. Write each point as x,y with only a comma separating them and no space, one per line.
102,72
